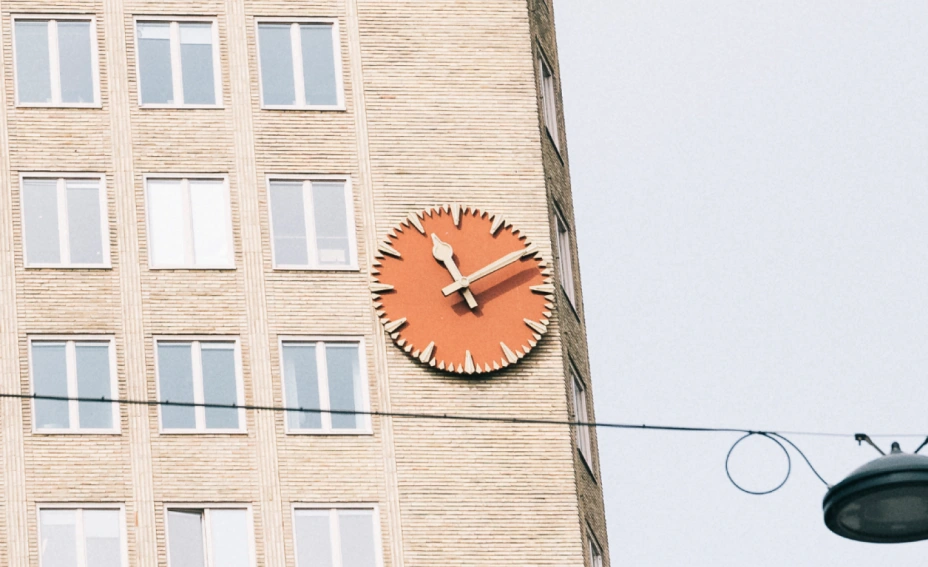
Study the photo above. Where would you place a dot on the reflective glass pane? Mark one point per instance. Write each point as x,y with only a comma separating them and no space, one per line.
196,62
156,81
33,74
301,381
219,386
102,544
50,378
276,64
166,223
185,538
58,547
313,538
331,224
84,223
212,243
318,64
40,203
230,538
344,384
356,528
289,223
175,379
74,47
93,381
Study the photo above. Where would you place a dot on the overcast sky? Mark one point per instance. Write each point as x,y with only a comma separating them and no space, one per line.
751,190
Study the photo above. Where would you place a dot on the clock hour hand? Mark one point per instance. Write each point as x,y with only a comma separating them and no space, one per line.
464,283
443,252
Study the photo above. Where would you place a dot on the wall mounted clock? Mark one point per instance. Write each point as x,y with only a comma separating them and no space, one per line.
461,290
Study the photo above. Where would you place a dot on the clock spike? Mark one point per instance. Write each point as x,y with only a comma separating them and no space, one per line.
468,362
408,348
521,354
478,370
379,256
394,336
546,272
495,365
542,264
549,305
415,353
394,325
504,362
441,365
544,288
530,251
537,338
432,363
387,249
427,353
374,271
456,214
381,287
377,305
401,342
460,369
414,221
546,314
497,224
532,343
392,233
549,280
486,367
510,356
534,325
377,262
381,313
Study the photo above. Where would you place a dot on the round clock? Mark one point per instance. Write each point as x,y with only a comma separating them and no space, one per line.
461,290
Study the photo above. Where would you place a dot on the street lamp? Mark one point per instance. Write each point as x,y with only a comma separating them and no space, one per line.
884,501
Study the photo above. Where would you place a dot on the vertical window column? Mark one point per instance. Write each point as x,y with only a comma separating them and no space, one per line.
582,415
565,258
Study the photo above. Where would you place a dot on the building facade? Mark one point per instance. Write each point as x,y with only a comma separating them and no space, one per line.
195,196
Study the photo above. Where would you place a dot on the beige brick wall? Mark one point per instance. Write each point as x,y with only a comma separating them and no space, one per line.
441,105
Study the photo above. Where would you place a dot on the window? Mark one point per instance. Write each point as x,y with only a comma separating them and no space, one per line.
71,369
178,63
56,62
80,537
564,258
326,375
582,415
548,100
189,223
312,226
299,65
201,372
65,223
596,554
209,537
336,538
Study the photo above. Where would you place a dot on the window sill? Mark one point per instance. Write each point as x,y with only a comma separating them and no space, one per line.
96,105
67,267
186,432
191,268
332,433
52,432
352,268
338,108
181,107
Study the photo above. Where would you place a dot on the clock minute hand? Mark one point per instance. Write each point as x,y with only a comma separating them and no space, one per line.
464,283
443,252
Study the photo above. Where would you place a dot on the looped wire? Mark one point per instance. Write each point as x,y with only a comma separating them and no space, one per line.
789,464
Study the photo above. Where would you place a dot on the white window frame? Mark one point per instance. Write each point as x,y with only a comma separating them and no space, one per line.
197,375
64,245
297,56
335,535
596,550
310,222
70,342
548,92
80,507
53,60
583,436
177,82
188,219
565,257
207,532
324,398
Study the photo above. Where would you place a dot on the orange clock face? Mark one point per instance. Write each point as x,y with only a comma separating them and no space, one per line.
461,290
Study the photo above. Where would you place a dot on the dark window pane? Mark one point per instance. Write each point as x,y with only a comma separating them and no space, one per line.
219,386
344,383
302,385
175,378
276,64
155,77
33,74
50,378
93,381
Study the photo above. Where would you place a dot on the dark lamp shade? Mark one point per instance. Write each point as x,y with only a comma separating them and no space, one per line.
884,501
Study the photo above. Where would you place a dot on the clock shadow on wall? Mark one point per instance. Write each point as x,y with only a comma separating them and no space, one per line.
462,290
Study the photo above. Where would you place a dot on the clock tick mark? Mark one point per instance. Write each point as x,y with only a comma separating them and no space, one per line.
395,325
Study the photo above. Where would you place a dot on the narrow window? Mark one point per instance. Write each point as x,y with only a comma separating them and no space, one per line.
73,369
564,258
75,537
189,223
581,414
326,376
548,100
335,538
178,63
199,372
298,65
65,222
311,225
55,62
596,553
202,537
